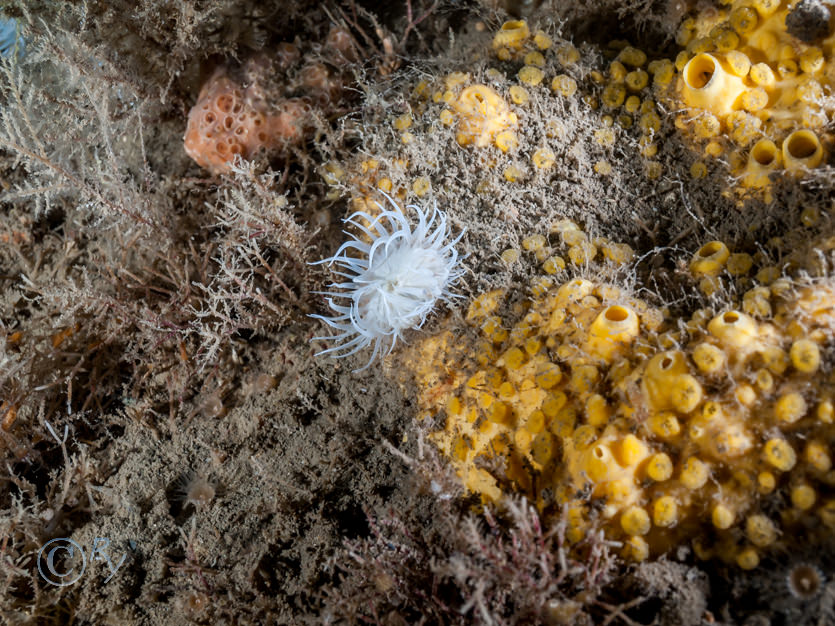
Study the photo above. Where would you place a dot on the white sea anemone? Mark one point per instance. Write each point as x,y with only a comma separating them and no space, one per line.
394,283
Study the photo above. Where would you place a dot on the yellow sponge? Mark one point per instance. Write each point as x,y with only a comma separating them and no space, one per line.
710,259
763,159
570,399
802,150
511,37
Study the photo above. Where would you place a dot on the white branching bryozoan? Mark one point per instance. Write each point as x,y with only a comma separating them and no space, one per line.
395,281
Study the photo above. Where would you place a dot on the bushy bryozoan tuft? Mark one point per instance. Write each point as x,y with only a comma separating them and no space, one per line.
395,281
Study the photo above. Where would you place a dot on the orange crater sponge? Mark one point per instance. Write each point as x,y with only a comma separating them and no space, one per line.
229,120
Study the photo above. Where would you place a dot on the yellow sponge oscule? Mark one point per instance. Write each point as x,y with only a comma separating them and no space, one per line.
709,82
715,431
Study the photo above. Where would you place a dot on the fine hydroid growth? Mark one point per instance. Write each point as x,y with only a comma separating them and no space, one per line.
395,282
118,263
507,566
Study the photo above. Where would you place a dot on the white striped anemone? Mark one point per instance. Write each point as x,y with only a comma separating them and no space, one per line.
393,282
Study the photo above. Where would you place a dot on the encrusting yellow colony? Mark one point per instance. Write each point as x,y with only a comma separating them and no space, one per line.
749,90
746,77
746,90
718,433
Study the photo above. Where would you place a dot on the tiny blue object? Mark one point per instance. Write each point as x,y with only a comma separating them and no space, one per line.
10,39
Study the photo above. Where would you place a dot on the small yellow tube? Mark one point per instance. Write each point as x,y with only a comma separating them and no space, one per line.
802,150
512,35
709,259
763,159
612,328
735,330
660,373
706,84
